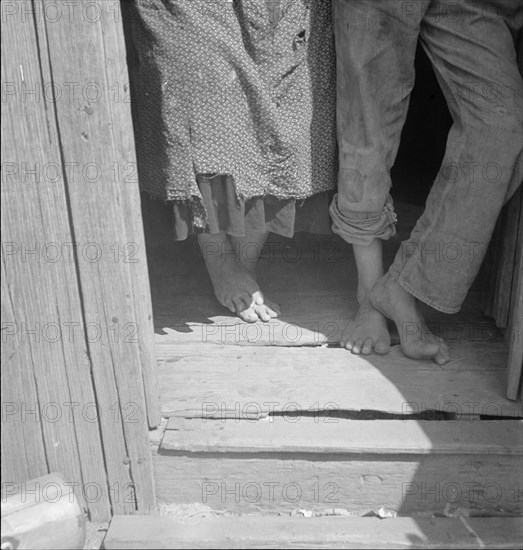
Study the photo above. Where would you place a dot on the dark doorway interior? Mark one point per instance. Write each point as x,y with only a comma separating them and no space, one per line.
423,138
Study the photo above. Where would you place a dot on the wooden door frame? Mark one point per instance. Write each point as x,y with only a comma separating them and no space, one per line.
69,185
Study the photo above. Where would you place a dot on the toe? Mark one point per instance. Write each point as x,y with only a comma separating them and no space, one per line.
440,359
248,315
349,344
420,350
357,346
272,313
382,346
367,346
262,313
258,298
427,351
443,355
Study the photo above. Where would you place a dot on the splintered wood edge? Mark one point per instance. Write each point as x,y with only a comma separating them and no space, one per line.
330,435
320,532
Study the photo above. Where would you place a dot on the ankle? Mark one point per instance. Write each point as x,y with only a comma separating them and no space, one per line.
364,294
395,289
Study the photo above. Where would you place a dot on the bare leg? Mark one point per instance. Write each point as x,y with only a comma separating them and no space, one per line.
234,285
389,297
248,250
368,330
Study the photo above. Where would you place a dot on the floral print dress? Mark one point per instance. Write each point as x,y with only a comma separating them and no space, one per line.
234,108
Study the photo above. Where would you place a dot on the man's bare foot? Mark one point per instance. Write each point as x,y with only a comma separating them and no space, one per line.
367,332
235,287
417,341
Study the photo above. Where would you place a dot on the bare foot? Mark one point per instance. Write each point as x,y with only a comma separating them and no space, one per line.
235,286
247,250
367,332
417,341
263,308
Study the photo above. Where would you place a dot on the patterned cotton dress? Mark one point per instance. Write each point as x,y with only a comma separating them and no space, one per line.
234,107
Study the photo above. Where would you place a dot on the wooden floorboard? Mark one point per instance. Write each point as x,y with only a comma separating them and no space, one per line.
321,532
341,436
312,279
317,300
245,382
282,465
408,484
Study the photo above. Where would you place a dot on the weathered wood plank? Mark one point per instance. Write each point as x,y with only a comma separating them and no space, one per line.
515,330
47,345
306,321
507,266
312,292
339,436
316,294
409,484
311,278
253,381
409,466
122,128
91,123
318,532
17,463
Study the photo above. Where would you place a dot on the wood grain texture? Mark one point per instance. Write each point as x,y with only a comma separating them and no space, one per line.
92,127
319,532
284,464
270,482
23,452
506,266
77,306
312,278
514,334
344,437
316,294
247,382
114,56
502,293
48,370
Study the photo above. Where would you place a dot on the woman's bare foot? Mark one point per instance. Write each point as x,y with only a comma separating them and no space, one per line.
263,308
367,332
391,299
248,250
235,286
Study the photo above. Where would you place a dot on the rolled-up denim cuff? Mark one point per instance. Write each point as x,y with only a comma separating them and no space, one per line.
428,295
364,231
